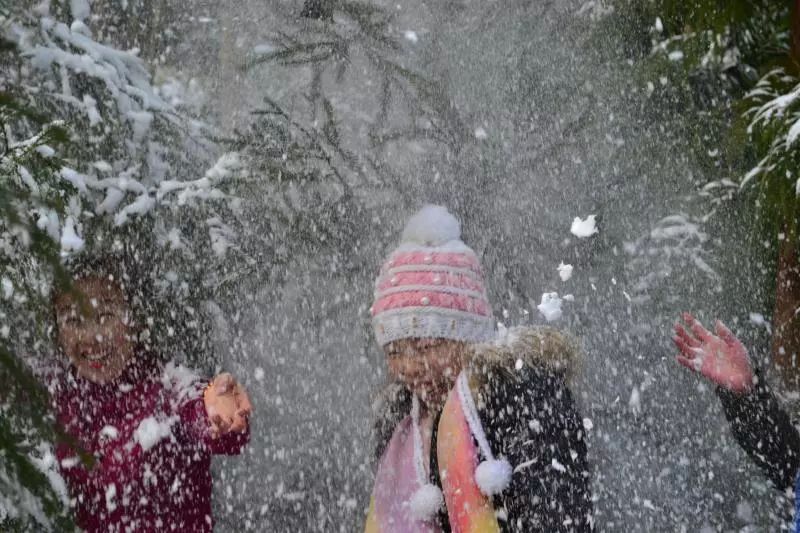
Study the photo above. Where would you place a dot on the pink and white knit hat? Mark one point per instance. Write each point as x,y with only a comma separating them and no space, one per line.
432,285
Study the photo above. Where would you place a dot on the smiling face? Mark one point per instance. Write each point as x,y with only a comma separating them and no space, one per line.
98,336
428,367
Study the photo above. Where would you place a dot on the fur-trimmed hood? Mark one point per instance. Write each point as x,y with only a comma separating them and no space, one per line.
542,347
536,346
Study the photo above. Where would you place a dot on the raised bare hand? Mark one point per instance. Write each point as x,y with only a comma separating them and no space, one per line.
227,404
721,358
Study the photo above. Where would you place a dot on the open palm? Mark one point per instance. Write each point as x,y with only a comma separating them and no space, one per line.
721,358
227,404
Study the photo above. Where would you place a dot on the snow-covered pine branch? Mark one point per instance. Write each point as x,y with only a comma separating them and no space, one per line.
126,139
775,125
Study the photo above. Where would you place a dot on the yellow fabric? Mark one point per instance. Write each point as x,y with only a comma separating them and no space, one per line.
372,520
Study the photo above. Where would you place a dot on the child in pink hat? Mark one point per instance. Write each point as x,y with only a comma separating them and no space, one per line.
475,433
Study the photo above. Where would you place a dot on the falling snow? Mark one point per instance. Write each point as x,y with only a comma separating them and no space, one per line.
254,165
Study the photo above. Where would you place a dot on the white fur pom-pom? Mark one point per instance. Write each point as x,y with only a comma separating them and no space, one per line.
493,476
433,225
426,502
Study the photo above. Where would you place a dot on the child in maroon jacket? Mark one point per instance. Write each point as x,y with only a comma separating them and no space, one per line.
151,433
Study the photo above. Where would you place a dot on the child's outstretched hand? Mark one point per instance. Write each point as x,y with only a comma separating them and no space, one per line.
722,358
227,405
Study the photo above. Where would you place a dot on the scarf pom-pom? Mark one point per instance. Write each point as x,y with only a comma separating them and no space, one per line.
426,502
493,476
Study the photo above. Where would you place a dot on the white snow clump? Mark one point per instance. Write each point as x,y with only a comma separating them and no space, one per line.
411,36
550,306
151,431
584,228
564,271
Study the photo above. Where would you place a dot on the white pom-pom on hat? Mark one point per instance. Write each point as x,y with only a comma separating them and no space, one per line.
426,502
433,225
493,476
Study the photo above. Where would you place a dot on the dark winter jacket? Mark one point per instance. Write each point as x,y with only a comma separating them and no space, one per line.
765,432
530,418
152,448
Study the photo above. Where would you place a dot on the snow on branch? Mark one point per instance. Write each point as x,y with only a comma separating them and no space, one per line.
130,150
775,119
122,72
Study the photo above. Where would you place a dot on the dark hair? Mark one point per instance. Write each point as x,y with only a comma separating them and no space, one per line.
170,325
113,266
123,271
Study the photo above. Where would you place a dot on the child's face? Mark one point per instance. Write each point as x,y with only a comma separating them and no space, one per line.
99,343
428,367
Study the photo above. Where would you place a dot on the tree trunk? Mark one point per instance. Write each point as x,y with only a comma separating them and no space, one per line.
794,49
786,334
786,323
229,84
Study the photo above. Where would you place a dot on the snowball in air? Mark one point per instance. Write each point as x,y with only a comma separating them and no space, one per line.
480,133
584,228
493,476
564,271
411,36
109,432
151,431
635,401
550,306
111,496
433,225
426,502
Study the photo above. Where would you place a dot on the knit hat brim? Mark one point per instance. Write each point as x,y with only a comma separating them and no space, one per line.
432,323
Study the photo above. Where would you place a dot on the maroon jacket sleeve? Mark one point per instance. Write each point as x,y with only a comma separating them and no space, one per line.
198,428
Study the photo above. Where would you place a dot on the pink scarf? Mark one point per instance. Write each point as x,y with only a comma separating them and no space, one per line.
396,481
